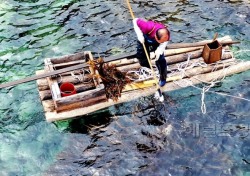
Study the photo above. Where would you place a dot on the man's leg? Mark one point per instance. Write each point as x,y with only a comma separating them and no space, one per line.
141,56
162,67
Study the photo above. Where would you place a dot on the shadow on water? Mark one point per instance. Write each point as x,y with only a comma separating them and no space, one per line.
112,142
86,123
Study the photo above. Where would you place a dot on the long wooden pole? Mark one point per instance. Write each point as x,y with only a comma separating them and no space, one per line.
64,70
32,78
148,58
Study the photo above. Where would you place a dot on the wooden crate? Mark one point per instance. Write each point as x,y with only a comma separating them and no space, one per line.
89,90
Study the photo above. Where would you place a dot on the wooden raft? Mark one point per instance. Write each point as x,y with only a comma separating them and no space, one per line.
91,96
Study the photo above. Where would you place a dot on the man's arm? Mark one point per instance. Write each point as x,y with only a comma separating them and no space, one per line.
160,49
138,31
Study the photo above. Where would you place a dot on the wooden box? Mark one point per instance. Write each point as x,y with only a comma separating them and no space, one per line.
88,89
212,52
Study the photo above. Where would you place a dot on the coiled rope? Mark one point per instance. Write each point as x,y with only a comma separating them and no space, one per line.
144,74
212,83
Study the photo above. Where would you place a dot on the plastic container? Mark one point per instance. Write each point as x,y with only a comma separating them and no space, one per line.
67,89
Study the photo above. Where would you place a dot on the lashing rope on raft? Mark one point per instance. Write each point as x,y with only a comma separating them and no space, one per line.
144,74
212,83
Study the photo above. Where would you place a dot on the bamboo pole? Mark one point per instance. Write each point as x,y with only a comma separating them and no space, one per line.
45,95
201,70
185,45
90,100
225,59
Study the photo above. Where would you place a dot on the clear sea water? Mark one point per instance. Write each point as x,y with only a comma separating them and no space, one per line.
142,137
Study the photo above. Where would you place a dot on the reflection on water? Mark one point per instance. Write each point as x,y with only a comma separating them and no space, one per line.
142,137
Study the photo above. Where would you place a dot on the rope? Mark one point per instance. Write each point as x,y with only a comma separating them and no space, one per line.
205,90
145,73
79,76
184,66
142,74
240,51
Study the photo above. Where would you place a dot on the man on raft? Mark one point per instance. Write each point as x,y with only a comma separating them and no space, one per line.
155,36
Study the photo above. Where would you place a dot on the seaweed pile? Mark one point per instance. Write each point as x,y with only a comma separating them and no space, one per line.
113,79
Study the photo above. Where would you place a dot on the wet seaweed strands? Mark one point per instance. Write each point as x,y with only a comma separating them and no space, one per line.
113,79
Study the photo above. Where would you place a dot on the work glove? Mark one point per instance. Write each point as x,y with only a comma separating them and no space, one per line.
138,31
160,50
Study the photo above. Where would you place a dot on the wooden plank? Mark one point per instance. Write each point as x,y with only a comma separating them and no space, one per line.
81,99
146,84
91,100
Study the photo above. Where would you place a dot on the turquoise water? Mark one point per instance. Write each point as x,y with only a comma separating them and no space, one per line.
142,137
